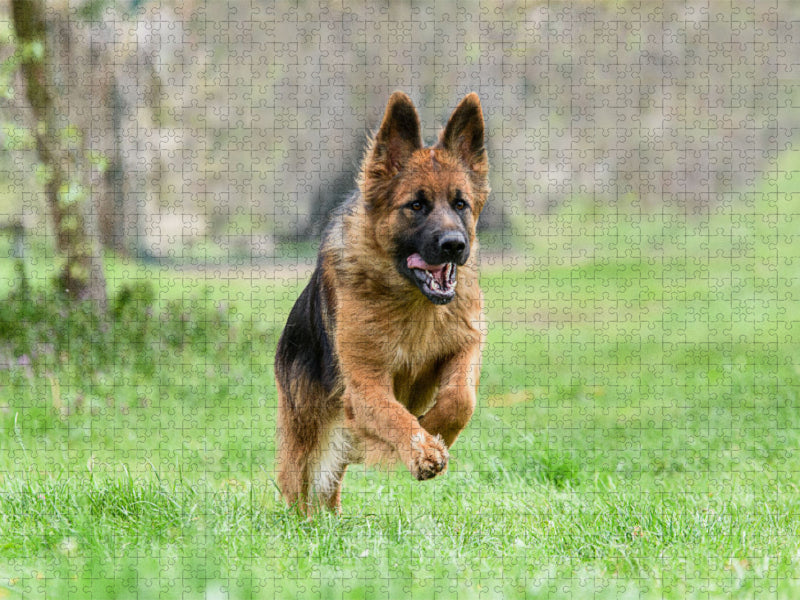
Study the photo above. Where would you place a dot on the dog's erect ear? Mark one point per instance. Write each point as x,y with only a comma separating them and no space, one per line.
463,134
398,137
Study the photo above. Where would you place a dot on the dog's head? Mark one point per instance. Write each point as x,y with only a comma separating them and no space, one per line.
424,203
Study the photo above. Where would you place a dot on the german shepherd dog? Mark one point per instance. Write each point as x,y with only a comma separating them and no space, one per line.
381,354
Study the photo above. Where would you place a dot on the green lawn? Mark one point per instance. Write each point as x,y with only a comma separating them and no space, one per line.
637,432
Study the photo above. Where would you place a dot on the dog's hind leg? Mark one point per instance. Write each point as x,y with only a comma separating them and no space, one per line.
292,458
327,470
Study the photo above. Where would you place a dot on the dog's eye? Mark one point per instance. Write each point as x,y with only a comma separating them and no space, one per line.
459,203
418,203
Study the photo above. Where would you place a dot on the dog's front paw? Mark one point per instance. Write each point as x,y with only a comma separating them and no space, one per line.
429,456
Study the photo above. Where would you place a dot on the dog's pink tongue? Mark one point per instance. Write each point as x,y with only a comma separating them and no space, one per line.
415,262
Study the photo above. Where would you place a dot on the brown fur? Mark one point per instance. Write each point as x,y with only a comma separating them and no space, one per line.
406,369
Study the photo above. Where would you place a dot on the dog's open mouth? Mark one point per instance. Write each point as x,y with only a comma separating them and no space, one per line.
437,282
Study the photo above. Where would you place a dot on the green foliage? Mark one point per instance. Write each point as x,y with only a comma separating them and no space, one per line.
70,138
8,63
15,137
98,160
43,328
32,51
70,192
91,10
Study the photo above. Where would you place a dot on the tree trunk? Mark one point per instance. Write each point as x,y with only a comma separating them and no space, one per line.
111,203
68,187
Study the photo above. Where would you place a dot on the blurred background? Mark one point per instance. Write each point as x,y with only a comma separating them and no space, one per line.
227,130
639,402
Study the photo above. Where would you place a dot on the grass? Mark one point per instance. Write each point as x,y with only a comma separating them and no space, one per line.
637,432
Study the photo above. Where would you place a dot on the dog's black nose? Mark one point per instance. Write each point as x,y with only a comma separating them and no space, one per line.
452,245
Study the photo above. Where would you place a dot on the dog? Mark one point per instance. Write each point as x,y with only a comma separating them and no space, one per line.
381,354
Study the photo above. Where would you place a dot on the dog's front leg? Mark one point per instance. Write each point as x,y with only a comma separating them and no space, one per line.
455,400
372,411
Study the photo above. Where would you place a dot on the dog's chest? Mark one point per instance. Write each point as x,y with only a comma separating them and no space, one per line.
415,341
